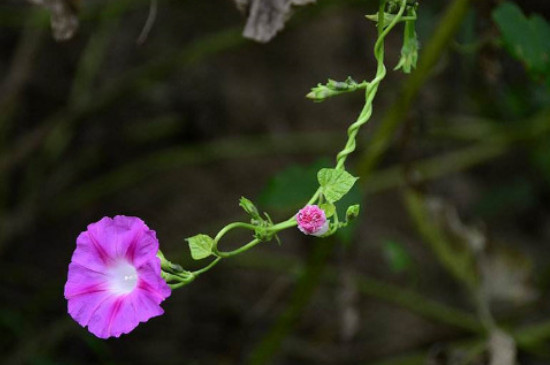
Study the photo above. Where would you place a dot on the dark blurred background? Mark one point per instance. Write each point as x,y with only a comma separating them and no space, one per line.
448,263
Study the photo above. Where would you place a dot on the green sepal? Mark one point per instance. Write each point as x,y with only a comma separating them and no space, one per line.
335,183
409,51
200,246
182,277
328,208
249,208
262,228
167,265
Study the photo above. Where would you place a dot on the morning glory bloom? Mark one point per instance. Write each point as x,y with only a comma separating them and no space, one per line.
312,220
114,280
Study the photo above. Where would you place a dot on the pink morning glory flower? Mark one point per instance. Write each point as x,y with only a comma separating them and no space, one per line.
312,220
114,279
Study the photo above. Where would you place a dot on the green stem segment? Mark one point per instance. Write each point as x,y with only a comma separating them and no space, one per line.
270,231
372,88
291,222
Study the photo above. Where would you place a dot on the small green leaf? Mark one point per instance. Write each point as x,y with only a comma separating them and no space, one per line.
335,183
328,208
201,246
352,212
397,257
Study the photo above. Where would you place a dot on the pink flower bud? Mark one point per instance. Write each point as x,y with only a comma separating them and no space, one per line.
312,220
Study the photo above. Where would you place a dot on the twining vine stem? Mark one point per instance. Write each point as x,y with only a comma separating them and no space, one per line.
264,229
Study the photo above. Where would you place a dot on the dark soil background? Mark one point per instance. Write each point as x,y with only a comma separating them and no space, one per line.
177,129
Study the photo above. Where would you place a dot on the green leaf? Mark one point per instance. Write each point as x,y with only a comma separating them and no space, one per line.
526,39
201,246
328,208
397,257
335,183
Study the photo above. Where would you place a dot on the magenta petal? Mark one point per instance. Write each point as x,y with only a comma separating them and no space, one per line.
146,306
113,317
144,248
83,306
114,236
88,254
151,281
83,280
114,280
312,220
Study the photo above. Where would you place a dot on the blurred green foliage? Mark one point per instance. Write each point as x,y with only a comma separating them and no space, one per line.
526,38
146,127
396,255
290,188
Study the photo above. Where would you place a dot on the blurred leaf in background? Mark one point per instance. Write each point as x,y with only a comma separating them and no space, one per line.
396,255
527,39
293,186
510,197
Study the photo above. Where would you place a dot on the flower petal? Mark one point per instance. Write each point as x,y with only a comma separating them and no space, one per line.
150,281
321,231
89,254
113,317
114,280
82,279
114,236
146,305
144,248
83,306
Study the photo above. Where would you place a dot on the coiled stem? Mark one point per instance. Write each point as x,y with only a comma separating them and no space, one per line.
372,88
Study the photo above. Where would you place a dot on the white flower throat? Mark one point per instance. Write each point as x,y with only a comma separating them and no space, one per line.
124,277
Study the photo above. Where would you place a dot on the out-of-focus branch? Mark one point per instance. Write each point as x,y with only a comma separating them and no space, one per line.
306,285
404,298
496,145
88,69
14,83
130,83
19,70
